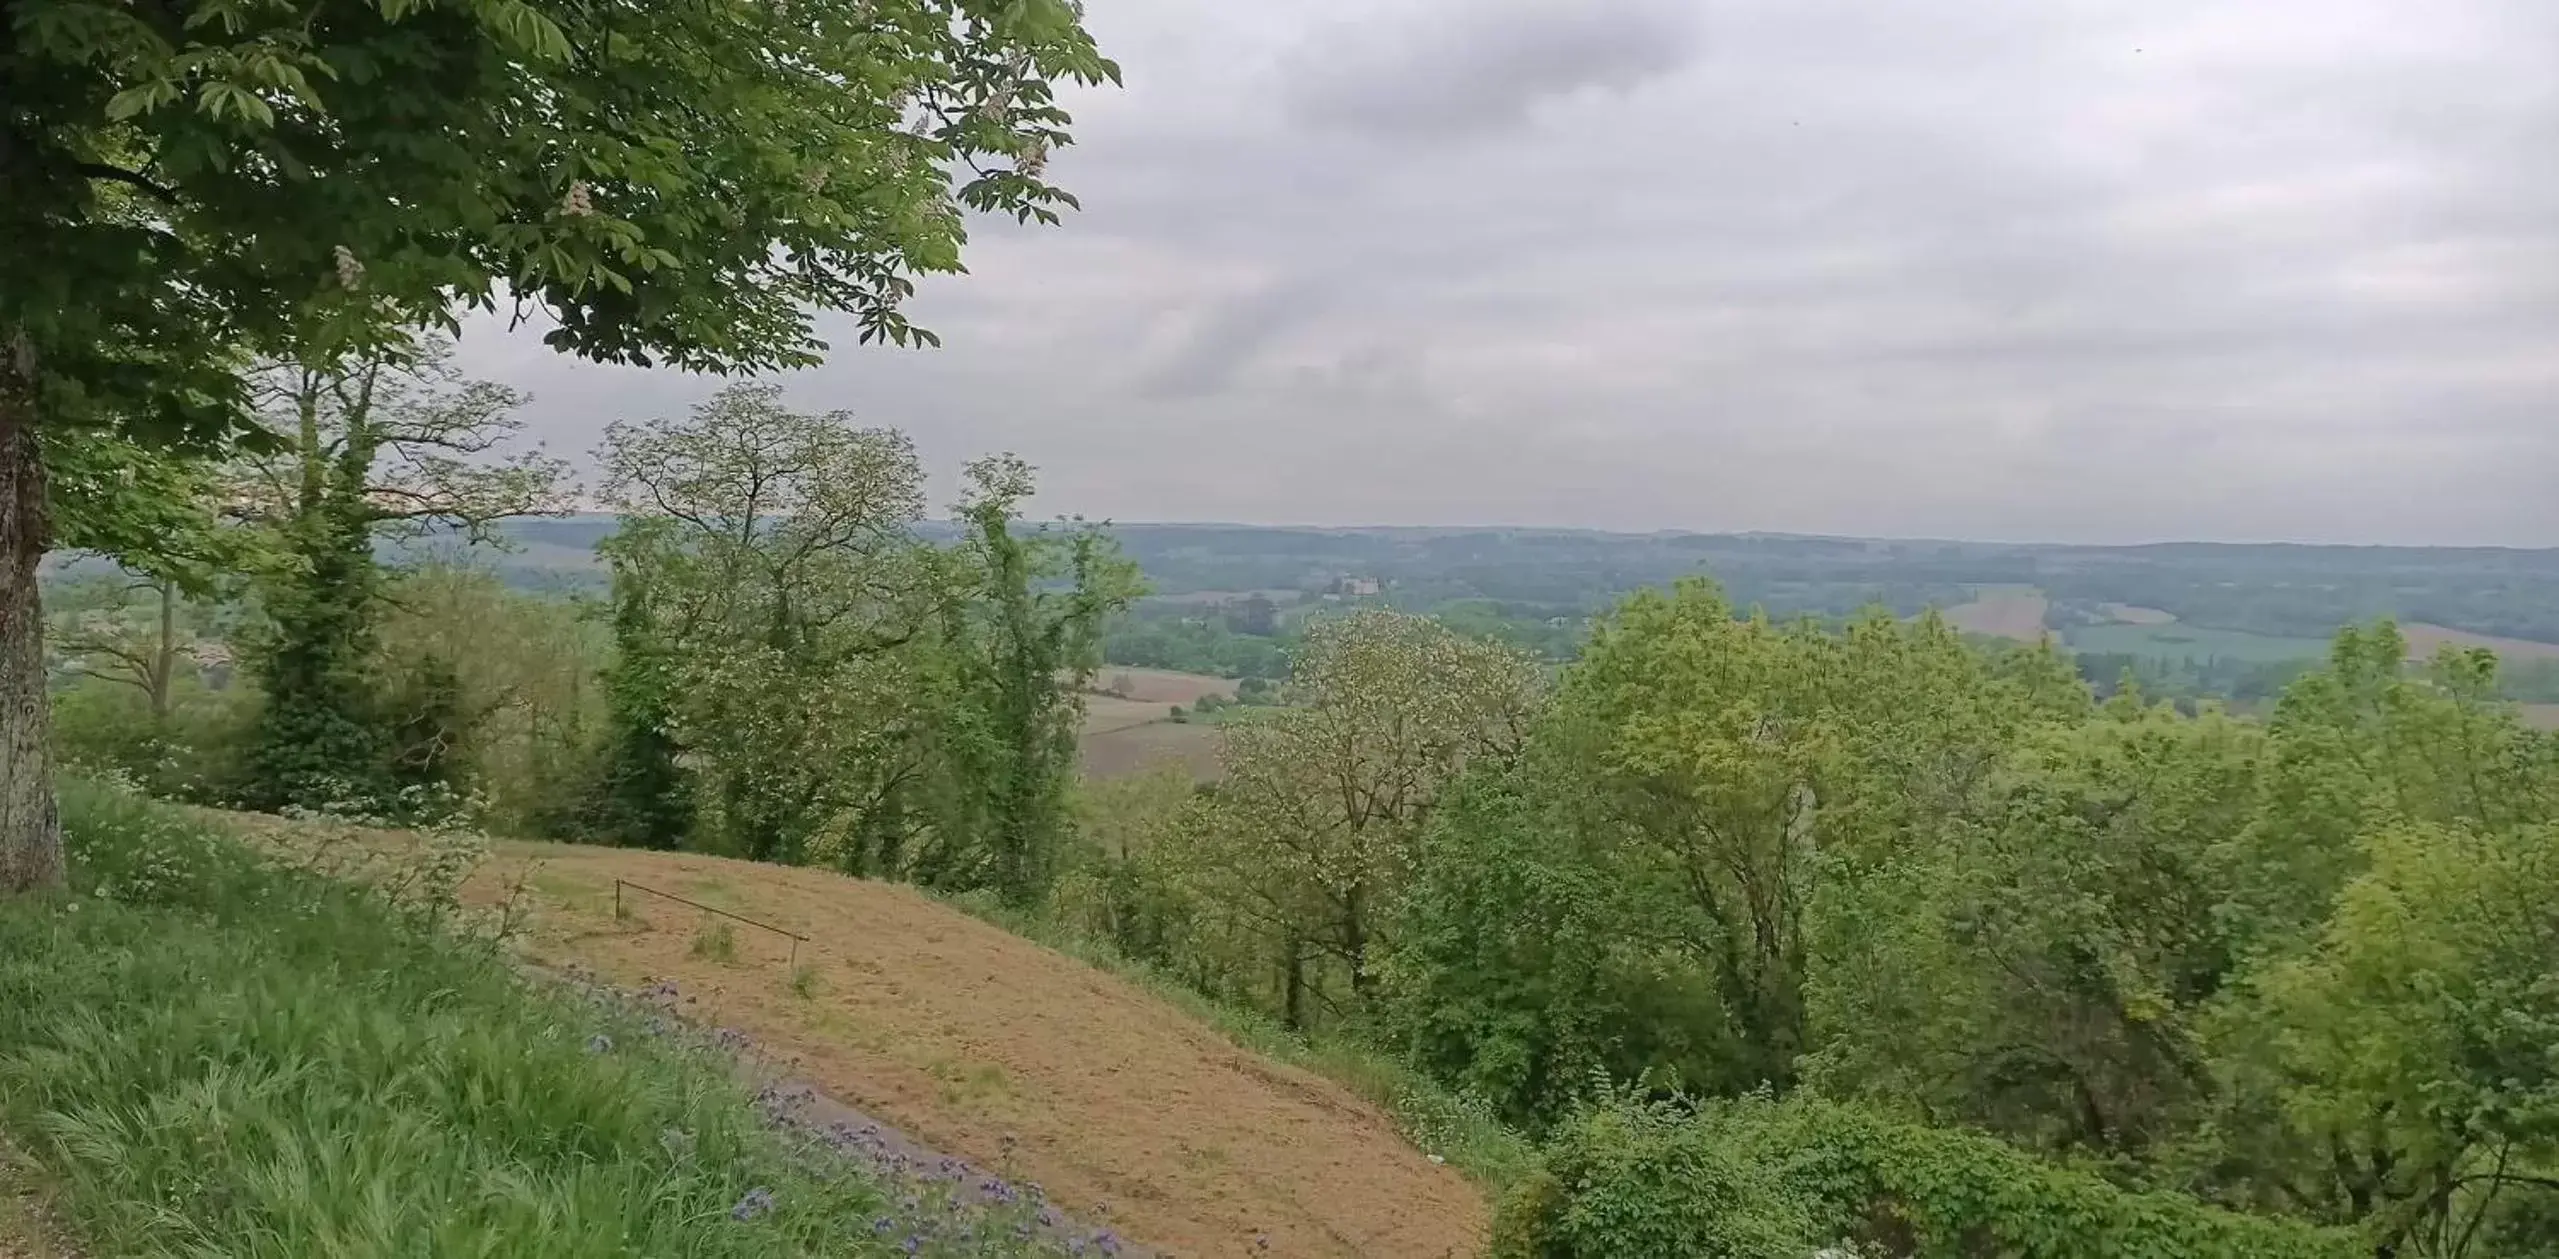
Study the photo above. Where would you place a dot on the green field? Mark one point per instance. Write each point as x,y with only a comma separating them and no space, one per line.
2177,641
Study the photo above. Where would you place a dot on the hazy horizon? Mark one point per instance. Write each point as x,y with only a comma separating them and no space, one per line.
1493,526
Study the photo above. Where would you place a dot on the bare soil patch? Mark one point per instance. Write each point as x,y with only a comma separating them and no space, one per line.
1009,1055
1132,750
28,1229
2002,612
1106,713
2131,614
1161,686
2424,640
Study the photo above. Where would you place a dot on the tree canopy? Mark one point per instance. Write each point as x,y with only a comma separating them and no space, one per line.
197,183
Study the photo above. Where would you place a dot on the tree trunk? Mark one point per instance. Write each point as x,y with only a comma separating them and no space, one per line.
164,662
30,829
1293,982
1355,938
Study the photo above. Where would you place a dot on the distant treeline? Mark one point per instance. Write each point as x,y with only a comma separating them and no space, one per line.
1539,574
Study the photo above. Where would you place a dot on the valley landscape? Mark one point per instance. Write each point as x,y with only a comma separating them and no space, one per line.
1139,1038
626,631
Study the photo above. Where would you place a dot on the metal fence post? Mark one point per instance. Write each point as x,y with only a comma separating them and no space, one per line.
795,937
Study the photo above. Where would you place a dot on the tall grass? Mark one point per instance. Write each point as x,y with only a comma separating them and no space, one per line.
212,1057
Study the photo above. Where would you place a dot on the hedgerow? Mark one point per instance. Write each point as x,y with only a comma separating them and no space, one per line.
1756,1179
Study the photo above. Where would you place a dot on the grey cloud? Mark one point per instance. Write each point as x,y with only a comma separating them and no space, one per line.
1227,337
1473,66
2291,270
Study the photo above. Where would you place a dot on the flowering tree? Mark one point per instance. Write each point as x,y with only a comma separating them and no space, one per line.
837,689
389,443
770,572
1309,837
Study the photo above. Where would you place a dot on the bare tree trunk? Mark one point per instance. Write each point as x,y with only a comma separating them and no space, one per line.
164,662
1293,980
1355,939
30,829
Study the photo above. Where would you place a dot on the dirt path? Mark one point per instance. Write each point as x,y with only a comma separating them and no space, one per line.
1012,1056
27,1227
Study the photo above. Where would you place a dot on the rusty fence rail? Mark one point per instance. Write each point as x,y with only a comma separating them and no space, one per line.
795,937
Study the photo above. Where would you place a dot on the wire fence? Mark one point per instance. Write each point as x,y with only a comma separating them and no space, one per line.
794,937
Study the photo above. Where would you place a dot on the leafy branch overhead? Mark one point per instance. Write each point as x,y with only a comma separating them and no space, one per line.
402,441
685,183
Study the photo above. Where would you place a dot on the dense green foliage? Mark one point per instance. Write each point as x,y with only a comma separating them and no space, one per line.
217,182
2186,679
2025,963
800,677
1299,857
926,691
1754,1179
2247,618
1963,914
1180,638
212,1055
390,444
692,185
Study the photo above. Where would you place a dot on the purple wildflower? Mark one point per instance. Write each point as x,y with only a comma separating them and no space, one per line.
757,1203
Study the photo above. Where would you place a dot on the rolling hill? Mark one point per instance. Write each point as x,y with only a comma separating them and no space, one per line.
982,1045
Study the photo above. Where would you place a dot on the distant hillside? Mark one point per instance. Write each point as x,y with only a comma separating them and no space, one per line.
2277,590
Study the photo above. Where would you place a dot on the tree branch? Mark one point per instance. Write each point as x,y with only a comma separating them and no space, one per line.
131,179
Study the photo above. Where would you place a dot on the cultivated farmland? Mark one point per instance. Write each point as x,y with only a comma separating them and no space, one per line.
2002,612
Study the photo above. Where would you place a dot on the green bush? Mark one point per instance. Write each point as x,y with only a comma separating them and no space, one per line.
1511,975
1629,1179
1634,1180
211,1056
194,753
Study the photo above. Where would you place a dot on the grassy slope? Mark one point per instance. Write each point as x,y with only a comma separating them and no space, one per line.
906,1004
1440,1123
989,1047
207,1056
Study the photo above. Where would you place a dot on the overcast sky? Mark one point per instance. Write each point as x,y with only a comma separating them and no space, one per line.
2086,270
